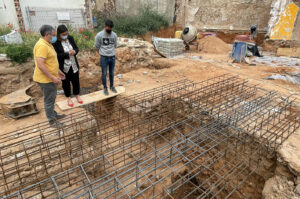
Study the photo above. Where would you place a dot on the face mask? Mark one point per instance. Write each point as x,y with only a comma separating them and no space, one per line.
64,37
53,40
108,31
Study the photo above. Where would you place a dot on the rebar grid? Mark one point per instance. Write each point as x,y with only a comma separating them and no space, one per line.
229,99
198,151
37,156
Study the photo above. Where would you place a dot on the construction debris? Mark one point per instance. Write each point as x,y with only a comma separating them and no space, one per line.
290,78
277,61
18,104
279,187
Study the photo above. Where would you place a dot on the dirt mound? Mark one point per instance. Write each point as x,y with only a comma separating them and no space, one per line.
213,45
167,32
15,76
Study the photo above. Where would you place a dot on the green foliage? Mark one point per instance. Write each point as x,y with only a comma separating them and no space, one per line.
3,47
19,53
86,33
5,30
30,39
84,38
82,41
147,20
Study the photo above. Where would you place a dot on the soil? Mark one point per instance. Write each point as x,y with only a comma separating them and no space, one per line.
168,32
195,66
229,37
213,45
14,76
165,71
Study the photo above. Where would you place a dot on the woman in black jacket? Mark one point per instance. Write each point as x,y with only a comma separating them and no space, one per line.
66,50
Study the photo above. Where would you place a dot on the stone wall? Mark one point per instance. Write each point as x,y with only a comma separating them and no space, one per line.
133,7
224,14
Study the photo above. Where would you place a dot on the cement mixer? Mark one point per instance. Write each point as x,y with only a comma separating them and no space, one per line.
189,34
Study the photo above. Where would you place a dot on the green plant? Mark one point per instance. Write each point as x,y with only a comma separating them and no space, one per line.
148,20
86,33
84,40
19,53
5,29
30,39
3,47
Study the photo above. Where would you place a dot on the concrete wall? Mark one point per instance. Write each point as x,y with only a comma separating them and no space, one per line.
100,4
165,7
296,31
224,14
8,13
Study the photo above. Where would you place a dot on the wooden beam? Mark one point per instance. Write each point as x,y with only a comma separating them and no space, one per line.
90,98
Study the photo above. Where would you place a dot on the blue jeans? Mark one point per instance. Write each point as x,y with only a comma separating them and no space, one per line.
49,91
108,62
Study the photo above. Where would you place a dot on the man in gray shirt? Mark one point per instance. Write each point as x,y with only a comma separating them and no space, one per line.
106,44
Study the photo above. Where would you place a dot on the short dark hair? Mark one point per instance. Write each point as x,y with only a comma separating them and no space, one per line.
46,29
109,23
61,29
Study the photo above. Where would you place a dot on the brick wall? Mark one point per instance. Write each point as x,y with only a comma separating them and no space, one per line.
19,15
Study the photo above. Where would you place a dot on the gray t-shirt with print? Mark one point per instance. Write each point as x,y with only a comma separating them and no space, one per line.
106,43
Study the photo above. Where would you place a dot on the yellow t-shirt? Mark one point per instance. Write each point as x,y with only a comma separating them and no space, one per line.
44,49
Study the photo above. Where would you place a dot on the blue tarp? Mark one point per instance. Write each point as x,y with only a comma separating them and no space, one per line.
239,51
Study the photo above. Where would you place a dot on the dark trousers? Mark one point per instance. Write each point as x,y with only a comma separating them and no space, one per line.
49,92
73,78
108,62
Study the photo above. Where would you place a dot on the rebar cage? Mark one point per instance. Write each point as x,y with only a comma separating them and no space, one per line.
201,137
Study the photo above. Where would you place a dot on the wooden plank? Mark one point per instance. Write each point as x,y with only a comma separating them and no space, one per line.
90,98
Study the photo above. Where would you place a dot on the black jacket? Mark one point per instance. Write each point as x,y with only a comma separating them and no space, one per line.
61,55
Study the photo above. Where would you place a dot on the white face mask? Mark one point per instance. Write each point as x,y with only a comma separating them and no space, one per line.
64,37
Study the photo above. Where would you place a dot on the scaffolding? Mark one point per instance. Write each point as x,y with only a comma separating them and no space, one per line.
140,146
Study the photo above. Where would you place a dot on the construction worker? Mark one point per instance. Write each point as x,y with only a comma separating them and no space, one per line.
47,73
106,43
253,32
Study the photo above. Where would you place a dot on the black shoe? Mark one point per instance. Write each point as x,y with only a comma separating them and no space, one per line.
55,124
59,117
105,91
113,89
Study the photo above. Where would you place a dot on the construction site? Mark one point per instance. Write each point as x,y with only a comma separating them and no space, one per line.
194,116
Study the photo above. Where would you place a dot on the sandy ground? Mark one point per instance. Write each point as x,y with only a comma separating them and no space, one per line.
182,68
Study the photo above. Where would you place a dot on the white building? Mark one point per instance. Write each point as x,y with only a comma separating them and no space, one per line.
32,14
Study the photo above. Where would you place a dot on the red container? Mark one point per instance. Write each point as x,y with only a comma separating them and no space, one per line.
242,38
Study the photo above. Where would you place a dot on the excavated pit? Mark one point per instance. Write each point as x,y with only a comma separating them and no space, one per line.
213,139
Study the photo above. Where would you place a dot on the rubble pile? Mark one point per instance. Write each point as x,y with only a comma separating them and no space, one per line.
133,54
